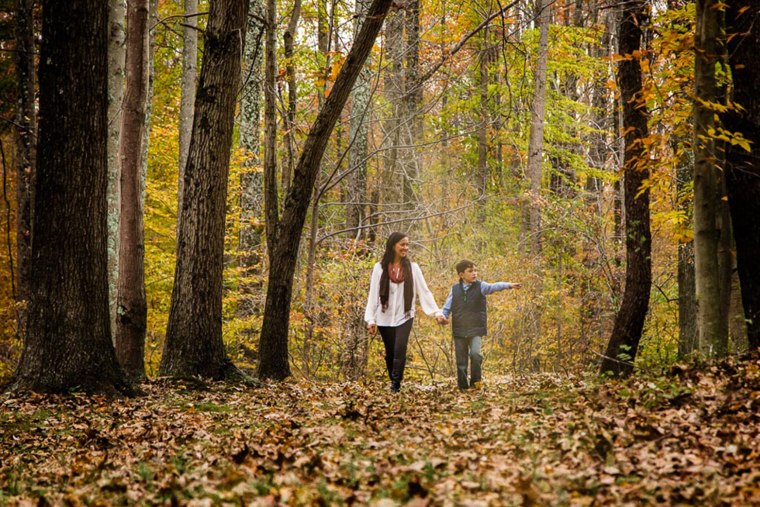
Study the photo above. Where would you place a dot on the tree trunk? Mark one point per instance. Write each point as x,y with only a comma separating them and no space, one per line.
393,89
536,140
361,97
483,172
629,321
273,345
117,40
323,27
354,360
687,304
412,96
742,165
26,141
132,310
189,80
290,72
271,206
69,340
725,264
308,305
737,326
707,180
194,343
535,161
251,183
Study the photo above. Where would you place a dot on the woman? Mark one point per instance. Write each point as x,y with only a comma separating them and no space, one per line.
395,285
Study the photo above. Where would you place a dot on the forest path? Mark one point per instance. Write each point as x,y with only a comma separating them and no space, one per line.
538,440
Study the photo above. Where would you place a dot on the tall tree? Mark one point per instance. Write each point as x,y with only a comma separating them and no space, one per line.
483,173
712,336
26,130
310,310
132,309
394,181
687,304
409,121
629,321
251,185
361,96
536,139
356,345
68,335
743,165
189,83
273,345
290,73
194,343
535,159
271,201
117,47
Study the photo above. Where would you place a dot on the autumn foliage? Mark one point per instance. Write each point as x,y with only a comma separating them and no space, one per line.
686,438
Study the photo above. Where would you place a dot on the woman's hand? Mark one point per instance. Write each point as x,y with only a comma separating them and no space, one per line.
372,328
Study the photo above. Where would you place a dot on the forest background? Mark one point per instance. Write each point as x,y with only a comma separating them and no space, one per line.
491,132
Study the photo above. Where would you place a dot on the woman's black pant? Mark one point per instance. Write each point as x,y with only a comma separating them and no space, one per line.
396,339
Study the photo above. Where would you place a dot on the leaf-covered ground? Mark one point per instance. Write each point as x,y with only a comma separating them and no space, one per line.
691,438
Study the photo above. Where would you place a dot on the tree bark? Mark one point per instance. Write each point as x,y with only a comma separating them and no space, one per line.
271,206
273,345
536,140
629,321
188,86
323,26
687,303
251,182
707,180
725,264
132,310
290,73
308,306
26,141
393,90
194,345
485,118
535,162
361,97
412,96
116,60
69,340
743,166
737,325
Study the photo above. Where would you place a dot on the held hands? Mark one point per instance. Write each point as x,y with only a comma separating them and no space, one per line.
372,328
442,320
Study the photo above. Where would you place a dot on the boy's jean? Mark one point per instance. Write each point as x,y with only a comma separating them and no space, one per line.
468,351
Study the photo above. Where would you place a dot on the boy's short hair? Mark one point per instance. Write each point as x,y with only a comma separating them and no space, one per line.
463,265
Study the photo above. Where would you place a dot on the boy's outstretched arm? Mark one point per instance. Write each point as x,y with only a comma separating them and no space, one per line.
489,288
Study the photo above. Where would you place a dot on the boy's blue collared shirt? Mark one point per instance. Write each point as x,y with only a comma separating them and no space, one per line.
485,289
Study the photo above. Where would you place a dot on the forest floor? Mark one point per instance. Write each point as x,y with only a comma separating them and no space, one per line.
688,438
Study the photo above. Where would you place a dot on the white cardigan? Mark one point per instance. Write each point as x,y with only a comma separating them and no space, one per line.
394,315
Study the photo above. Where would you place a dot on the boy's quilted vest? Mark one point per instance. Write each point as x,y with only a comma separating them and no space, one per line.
468,311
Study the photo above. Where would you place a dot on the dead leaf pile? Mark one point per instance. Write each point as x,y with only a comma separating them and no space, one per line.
688,438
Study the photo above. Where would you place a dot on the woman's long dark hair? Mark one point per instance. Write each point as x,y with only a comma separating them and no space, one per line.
385,281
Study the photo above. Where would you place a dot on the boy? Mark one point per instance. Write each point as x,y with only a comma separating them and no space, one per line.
466,303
